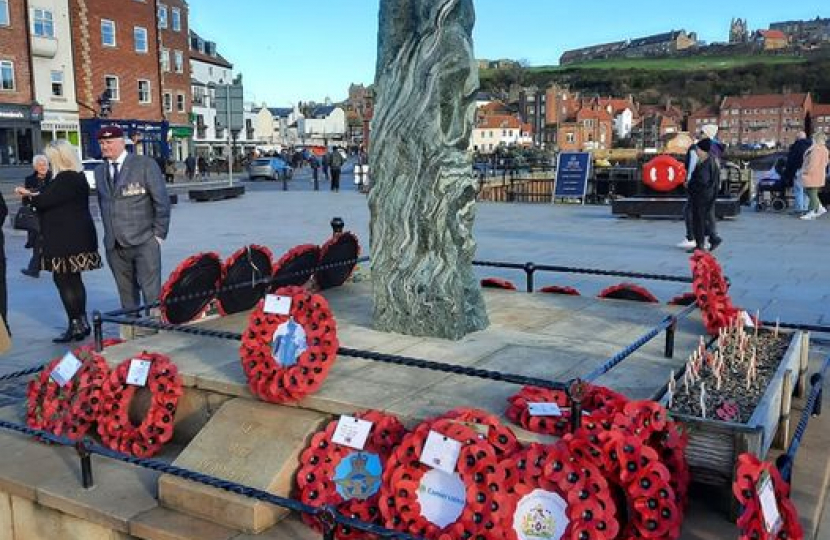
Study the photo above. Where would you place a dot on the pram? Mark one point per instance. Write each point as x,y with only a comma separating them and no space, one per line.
770,189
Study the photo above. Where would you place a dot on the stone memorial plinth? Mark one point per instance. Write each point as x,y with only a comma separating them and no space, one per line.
250,442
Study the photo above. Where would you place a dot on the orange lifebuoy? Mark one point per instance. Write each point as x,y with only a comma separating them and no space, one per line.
664,173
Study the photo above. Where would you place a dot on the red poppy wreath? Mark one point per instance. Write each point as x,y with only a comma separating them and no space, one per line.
712,293
286,354
775,518
161,377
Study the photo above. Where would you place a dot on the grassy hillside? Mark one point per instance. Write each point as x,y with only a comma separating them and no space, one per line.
692,63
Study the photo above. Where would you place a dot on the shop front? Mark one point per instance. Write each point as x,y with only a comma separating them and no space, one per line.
180,141
59,125
145,137
19,138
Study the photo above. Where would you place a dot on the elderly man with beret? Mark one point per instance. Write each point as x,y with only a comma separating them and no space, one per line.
135,210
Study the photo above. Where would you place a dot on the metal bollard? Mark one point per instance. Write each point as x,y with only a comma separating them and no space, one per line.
326,517
86,464
670,330
98,330
815,379
337,225
529,269
576,392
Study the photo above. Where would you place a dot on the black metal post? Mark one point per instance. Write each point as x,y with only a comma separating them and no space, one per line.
98,330
328,521
530,268
576,391
669,352
814,380
86,464
337,225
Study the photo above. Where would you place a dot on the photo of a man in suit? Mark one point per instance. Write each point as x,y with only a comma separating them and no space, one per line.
135,210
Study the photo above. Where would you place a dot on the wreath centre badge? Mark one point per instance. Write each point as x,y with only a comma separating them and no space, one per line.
358,476
288,343
540,515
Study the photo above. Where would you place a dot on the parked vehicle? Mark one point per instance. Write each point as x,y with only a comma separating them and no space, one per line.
89,170
273,168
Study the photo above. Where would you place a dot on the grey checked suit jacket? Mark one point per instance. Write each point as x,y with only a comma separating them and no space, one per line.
138,208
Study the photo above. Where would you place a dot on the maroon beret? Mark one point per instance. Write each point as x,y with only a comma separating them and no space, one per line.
110,132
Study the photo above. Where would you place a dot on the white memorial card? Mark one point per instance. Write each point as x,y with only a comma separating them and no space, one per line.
440,452
747,320
544,409
138,372
66,369
277,305
769,505
351,432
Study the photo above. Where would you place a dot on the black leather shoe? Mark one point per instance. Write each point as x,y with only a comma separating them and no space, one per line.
85,325
75,332
27,272
713,244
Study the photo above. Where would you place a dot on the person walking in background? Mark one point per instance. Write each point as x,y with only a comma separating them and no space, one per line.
709,131
701,188
34,183
190,167
135,211
4,299
335,165
70,242
314,162
792,171
814,172
326,158
203,166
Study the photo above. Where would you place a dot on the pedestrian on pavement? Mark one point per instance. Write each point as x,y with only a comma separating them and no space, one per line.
708,131
70,242
169,170
335,165
326,158
135,211
814,173
702,188
792,171
190,167
314,162
35,182
203,167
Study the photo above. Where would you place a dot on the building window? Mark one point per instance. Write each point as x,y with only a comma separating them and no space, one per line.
164,58
6,75
569,137
176,22
4,12
57,83
180,102
140,38
42,24
144,91
111,82
178,61
162,16
168,102
107,33
198,95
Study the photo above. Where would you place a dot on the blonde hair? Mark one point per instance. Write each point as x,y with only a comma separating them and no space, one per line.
62,156
819,137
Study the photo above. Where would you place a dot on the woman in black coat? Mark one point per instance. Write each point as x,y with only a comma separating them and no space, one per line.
70,243
35,182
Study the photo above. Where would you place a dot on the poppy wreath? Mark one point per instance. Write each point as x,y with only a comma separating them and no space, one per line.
196,274
577,484
712,293
639,482
244,266
502,438
69,410
560,289
745,489
296,266
341,251
497,283
317,484
273,382
403,474
114,425
628,291
599,402
685,299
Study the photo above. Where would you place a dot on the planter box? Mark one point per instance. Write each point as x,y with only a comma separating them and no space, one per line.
714,445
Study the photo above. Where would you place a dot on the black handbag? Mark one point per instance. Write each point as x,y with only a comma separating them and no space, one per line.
26,219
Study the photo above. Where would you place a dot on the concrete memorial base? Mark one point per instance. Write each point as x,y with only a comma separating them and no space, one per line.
253,443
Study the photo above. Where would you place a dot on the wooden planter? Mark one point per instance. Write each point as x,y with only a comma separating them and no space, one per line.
714,445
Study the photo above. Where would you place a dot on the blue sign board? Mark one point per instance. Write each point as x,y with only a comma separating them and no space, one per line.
572,171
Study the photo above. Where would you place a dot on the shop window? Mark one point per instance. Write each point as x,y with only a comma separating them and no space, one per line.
57,83
15,146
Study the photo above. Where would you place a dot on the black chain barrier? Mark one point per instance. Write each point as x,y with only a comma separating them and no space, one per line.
23,372
268,280
86,448
812,408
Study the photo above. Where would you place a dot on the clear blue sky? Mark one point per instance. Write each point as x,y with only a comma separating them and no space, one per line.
292,50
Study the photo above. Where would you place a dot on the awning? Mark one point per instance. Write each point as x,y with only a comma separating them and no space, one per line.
181,132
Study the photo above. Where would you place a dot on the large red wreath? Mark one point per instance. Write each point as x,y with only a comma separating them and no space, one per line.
256,274
273,382
341,250
600,404
195,307
69,410
502,438
114,425
553,468
319,461
745,489
628,291
402,477
712,293
296,266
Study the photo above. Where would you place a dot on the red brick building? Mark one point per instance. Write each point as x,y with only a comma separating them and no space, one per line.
821,118
770,119
174,60
116,50
700,118
20,115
